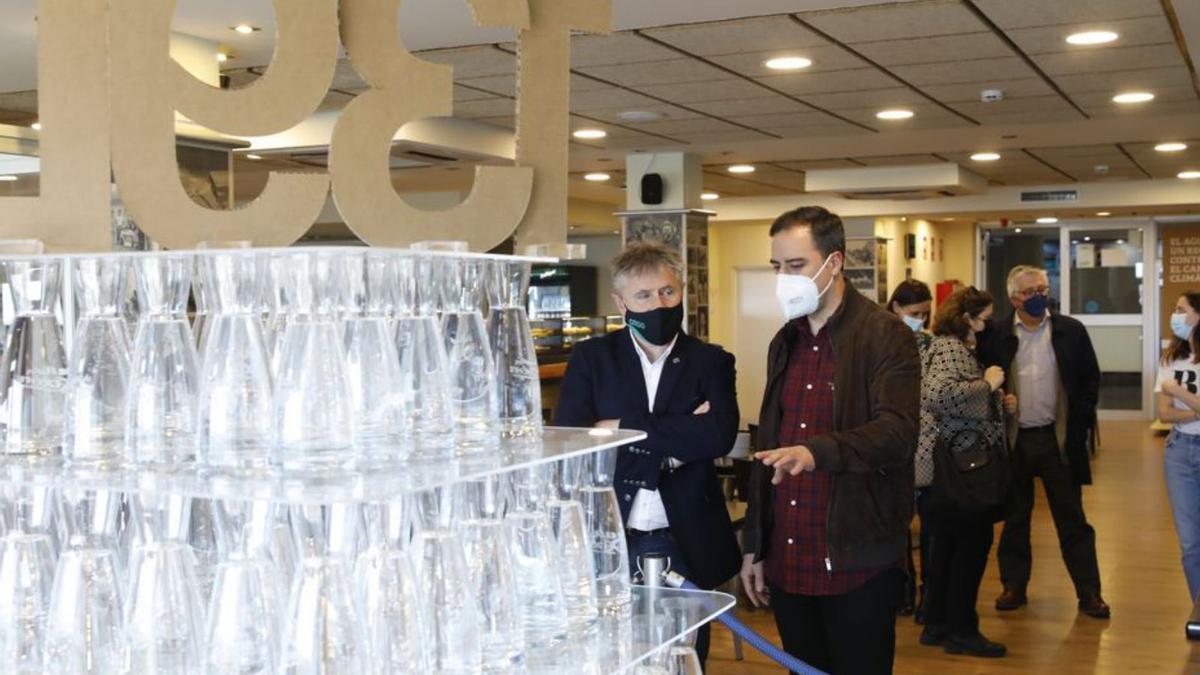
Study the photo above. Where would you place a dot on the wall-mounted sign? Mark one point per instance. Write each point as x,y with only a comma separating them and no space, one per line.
109,93
1181,267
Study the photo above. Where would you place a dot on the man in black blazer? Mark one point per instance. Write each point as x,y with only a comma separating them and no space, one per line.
1051,366
653,377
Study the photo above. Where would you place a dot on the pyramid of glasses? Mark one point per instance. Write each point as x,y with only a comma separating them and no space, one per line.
304,460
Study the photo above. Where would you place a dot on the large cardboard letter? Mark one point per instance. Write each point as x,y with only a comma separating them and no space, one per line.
405,88
543,108
148,87
72,212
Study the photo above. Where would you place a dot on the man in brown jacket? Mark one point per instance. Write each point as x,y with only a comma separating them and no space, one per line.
832,495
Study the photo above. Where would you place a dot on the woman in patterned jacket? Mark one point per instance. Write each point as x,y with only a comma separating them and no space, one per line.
957,395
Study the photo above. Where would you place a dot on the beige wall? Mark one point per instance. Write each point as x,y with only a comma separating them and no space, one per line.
956,258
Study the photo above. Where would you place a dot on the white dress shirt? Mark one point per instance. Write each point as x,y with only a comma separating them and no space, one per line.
648,512
1036,370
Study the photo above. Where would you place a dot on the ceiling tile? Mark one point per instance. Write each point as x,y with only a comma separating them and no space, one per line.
687,127
1155,108
800,84
489,107
675,71
830,128
1103,99
898,160
869,98
1023,13
480,61
345,77
751,106
606,50
1133,32
1064,114
718,90
967,70
934,49
497,85
505,122
580,83
825,59
810,164
783,120
607,99
1116,58
1009,106
467,94
895,21
772,33
970,91
669,111
1117,80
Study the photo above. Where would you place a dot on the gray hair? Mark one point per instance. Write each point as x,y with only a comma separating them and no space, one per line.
1018,272
640,257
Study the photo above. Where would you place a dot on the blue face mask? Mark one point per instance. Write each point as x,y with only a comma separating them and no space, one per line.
1180,327
1035,305
913,322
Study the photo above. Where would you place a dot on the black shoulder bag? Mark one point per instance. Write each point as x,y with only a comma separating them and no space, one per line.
972,472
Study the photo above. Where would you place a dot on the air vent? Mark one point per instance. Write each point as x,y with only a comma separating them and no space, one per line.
1050,196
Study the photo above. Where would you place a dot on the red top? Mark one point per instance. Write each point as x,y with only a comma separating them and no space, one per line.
796,559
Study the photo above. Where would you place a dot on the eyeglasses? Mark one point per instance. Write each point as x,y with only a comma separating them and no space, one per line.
1036,290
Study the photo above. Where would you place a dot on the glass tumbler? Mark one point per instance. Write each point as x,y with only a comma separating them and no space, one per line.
423,362
162,417
236,386
454,632
313,412
26,579
98,379
610,555
543,606
493,577
391,597
33,373
511,339
577,570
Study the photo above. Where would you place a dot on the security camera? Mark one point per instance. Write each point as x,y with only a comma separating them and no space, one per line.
991,95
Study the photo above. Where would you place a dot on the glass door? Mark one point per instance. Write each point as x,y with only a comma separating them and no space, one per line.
1104,286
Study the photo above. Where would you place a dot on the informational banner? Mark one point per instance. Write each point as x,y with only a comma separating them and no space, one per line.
1181,267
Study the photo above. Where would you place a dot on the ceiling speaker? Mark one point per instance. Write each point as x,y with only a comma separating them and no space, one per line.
652,188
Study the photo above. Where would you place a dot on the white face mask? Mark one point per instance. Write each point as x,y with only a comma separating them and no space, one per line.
798,294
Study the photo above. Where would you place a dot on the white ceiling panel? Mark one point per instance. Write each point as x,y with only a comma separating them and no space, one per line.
762,105
490,107
1118,58
868,98
928,116
1103,99
776,33
467,94
801,84
675,71
1023,13
474,61
499,85
607,50
783,120
1046,116
934,49
669,111
607,99
966,70
1009,106
719,90
1120,80
1157,107
688,127
831,128
1147,30
895,22
970,91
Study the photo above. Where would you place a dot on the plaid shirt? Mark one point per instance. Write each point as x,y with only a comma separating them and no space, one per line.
796,560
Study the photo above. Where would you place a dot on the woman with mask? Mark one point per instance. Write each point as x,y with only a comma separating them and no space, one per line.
913,303
957,396
1179,404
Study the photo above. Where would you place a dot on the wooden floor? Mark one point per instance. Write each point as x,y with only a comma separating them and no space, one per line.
1140,571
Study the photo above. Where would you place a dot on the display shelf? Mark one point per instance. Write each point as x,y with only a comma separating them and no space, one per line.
645,603
327,486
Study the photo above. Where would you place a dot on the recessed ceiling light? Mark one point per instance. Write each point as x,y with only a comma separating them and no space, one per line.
896,114
1018,230
1189,175
253,156
1133,97
709,196
1170,147
1087,238
1092,37
640,116
36,126
245,29
1104,214
222,57
1047,220
8,178
598,177
985,156
788,63
741,168
590,134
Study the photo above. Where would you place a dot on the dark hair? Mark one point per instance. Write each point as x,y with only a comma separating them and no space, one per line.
969,301
909,292
827,229
1179,350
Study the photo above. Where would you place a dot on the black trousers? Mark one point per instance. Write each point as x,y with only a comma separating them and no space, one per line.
917,578
1036,454
854,633
958,555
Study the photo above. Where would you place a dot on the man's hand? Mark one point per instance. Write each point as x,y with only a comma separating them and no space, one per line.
703,409
1010,404
608,424
791,460
753,581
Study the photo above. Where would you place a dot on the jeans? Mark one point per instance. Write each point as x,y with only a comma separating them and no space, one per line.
662,542
1181,464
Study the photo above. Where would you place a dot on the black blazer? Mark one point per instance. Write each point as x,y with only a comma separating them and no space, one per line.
604,381
1078,369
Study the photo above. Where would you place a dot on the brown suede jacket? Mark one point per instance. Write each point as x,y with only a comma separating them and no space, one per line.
877,385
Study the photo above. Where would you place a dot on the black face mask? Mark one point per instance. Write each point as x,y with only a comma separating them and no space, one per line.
658,326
